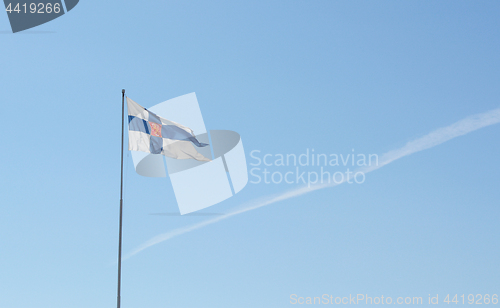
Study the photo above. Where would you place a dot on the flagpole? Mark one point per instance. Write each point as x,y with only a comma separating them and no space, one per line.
121,210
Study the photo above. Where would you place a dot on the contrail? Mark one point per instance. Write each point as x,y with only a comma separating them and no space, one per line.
430,140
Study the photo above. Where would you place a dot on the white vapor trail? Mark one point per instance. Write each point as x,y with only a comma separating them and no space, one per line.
430,140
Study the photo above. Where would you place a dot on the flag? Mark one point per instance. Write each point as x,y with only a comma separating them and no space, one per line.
148,132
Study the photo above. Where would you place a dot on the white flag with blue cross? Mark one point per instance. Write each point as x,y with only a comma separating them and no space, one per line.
148,132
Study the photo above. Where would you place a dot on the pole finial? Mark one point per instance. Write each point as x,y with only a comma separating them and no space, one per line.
123,91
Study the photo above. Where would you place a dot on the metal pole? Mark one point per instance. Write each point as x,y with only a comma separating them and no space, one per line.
121,211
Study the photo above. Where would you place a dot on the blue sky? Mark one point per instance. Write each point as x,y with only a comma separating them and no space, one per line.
288,76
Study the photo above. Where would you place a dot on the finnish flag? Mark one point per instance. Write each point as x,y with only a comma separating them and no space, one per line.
153,134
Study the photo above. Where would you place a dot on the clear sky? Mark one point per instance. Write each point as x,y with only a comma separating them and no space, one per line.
339,77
